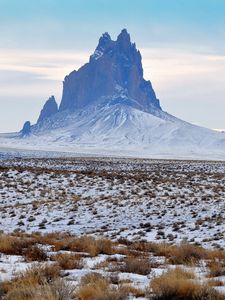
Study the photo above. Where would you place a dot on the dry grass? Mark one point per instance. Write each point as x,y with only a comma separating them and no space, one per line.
216,254
95,287
131,290
68,261
178,285
85,244
215,282
183,254
176,254
35,253
68,242
14,245
56,290
136,265
38,283
216,268
21,243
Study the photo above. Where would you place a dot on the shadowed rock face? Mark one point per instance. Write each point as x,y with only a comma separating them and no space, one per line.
26,130
114,73
49,109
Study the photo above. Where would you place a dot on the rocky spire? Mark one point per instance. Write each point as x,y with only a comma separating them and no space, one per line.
49,109
114,72
26,130
123,40
104,44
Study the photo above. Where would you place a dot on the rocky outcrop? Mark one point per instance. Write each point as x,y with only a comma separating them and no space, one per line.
26,130
114,74
49,109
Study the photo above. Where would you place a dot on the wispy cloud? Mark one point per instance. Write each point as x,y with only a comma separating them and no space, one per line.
45,65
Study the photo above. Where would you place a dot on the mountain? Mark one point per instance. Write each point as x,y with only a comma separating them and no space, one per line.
114,70
107,107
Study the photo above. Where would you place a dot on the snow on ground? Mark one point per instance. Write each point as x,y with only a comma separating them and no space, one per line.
136,199
119,130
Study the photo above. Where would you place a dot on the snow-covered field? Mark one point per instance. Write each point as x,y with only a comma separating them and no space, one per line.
139,200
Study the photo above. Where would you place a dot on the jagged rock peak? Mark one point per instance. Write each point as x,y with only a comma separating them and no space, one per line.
50,108
104,44
124,38
105,37
114,74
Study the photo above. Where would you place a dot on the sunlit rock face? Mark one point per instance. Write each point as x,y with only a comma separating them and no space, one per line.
113,74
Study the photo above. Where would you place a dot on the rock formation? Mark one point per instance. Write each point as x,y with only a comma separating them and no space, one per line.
49,109
26,130
114,73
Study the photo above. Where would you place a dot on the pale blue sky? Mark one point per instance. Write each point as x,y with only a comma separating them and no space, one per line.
182,44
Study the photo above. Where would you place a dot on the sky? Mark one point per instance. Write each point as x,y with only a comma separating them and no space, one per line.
182,43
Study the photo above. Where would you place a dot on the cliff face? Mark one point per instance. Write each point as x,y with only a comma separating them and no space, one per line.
114,73
49,109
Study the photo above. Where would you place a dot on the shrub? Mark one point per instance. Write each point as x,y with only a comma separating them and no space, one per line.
184,254
216,268
12,245
37,283
136,265
94,286
177,285
68,261
35,253
86,244
56,290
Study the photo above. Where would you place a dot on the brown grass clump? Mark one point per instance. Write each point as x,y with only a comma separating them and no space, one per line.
216,268
35,253
216,254
13,245
177,285
85,244
38,283
36,275
215,282
144,247
95,287
179,272
130,290
136,265
182,254
56,290
178,254
66,241
68,261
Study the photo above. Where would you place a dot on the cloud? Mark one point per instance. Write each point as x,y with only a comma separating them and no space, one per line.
46,64
190,85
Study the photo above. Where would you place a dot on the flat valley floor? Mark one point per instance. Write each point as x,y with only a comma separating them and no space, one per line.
125,201
151,200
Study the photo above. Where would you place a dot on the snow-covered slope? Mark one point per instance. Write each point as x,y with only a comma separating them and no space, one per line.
122,130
